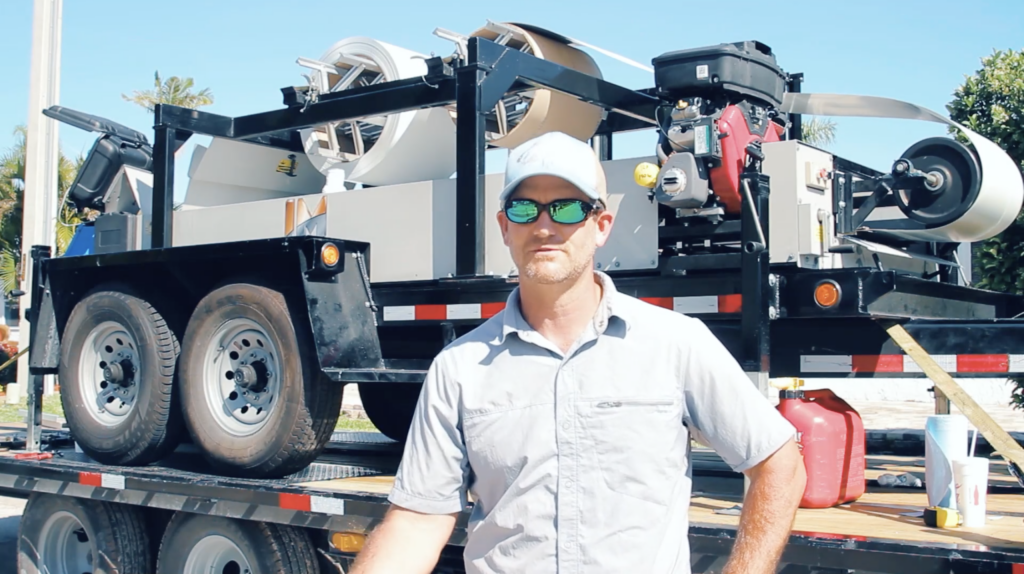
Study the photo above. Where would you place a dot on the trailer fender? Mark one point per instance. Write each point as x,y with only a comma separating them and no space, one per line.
341,313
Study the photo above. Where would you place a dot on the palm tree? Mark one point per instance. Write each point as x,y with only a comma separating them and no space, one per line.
818,132
175,90
12,186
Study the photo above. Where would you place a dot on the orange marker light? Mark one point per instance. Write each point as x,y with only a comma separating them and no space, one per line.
330,255
351,542
827,294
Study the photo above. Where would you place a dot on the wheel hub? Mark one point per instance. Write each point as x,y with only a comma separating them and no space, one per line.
120,373
107,372
242,376
64,546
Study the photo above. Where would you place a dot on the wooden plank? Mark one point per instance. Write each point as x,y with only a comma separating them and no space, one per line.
878,514
363,484
986,425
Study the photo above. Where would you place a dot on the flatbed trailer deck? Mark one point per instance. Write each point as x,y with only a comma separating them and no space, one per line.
345,491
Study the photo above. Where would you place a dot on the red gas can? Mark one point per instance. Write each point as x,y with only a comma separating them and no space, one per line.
831,436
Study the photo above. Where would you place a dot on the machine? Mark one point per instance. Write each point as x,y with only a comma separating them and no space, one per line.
731,218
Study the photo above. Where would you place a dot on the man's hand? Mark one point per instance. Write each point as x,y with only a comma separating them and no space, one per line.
406,541
776,487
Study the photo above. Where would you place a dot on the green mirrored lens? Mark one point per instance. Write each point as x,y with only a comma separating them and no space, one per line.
568,212
521,211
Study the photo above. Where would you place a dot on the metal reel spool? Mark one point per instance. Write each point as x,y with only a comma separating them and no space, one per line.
959,175
520,117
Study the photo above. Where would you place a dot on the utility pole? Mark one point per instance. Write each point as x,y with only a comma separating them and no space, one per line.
40,195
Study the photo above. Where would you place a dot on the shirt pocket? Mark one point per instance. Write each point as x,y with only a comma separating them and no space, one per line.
639,445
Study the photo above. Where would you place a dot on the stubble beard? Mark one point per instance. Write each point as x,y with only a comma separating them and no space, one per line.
559,268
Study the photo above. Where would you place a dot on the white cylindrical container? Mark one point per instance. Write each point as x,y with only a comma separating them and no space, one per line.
945,440
971,477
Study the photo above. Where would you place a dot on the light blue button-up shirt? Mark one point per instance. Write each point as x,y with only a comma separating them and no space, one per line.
579,463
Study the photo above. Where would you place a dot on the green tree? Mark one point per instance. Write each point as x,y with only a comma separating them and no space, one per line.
12,184
174,90
818,132
991,103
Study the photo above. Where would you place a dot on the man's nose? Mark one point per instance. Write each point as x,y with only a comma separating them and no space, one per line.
544,224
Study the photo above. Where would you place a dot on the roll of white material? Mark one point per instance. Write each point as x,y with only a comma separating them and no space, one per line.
1002,188
945,440
971,477
550,111
413,146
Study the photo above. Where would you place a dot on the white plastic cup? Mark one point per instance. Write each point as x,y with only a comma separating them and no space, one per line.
971,477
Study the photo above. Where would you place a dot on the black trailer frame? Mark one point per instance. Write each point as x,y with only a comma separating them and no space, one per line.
771,296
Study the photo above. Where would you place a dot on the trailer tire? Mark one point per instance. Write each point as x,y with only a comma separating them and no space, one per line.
195,543
140,421
52,528
280,416
390,407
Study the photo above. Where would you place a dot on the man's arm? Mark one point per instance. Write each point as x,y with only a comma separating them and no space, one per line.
429,490
406,541
776,487
725,411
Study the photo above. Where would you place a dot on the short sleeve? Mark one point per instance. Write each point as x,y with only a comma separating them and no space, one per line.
431,477
724,409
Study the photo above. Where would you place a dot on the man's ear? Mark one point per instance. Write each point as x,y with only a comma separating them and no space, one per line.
604,220
503,225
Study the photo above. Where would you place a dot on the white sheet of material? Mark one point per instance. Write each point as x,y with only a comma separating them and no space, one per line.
1001,195
413,146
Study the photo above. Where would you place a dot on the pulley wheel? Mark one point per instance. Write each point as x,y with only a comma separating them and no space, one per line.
959,180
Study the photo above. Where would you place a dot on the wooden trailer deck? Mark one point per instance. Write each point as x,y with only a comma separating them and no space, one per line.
882,513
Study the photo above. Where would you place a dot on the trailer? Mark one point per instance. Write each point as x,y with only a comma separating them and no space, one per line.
202,353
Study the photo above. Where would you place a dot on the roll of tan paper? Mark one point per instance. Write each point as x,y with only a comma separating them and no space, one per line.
550,111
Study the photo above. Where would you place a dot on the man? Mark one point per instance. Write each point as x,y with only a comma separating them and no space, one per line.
568,415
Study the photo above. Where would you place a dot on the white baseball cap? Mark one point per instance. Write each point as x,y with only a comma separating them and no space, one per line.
560,155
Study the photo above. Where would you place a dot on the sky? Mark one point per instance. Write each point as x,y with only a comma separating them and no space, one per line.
246,51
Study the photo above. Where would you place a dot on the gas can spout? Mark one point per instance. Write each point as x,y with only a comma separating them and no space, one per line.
789,387
787,383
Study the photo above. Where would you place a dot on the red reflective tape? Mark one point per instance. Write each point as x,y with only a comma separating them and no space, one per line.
293,501
982,363
431,312
488,310
90,478
1017,568
730,303
877,363
664,302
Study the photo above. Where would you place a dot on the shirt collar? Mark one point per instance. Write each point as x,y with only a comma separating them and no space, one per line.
610,307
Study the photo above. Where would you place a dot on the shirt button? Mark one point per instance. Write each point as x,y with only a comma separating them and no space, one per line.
569,484
566,426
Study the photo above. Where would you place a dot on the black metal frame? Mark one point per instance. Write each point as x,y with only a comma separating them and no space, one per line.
474,84
489,72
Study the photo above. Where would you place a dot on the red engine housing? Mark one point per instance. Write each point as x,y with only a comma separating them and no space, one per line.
725,179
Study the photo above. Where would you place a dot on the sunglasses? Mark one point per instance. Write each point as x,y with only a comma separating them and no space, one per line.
567,211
